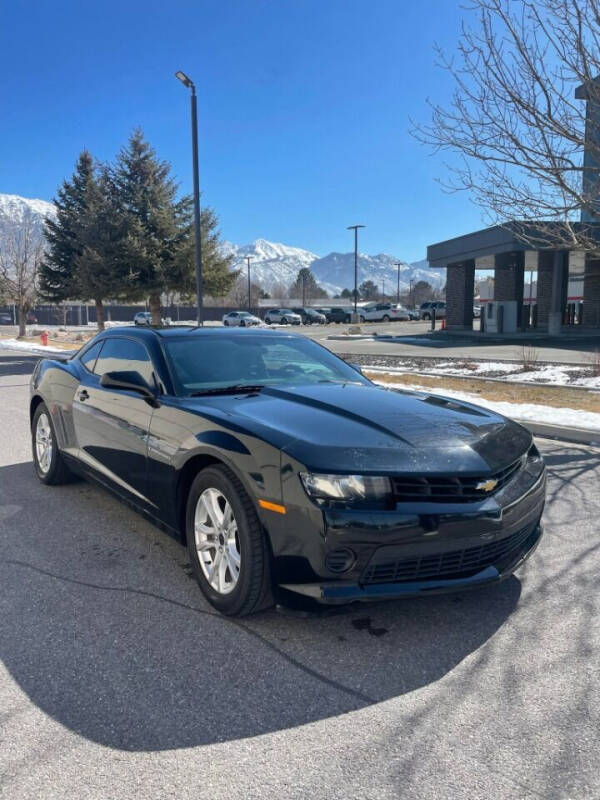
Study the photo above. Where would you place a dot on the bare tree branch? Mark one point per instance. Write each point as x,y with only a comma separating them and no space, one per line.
515,123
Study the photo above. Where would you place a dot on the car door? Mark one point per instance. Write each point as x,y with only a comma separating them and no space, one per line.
111,426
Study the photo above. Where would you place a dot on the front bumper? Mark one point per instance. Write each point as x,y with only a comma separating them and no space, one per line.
340,591
418,548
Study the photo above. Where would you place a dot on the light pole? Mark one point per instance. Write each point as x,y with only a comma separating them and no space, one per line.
190,85
355,229
410,291
383,289
398,264
249,293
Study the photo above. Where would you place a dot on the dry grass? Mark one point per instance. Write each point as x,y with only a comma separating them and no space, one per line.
556,397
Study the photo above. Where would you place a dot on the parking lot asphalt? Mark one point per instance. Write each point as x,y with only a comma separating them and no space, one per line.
118,681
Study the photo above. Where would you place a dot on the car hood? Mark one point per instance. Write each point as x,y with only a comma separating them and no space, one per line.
366,428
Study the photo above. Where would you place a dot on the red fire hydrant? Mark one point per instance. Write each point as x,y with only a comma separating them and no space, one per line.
44,338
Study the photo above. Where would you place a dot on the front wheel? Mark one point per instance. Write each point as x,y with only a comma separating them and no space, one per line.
226,323
226,544
386,318
242,324
47,459
426,316
267,320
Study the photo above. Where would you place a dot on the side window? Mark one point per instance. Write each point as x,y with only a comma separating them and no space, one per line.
125,355
88,359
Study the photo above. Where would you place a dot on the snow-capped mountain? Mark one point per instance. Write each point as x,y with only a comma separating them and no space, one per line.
271,263
16,211
336,272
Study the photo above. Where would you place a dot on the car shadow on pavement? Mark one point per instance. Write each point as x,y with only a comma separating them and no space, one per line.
104,630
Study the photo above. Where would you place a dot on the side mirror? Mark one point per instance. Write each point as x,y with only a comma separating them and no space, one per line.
129,381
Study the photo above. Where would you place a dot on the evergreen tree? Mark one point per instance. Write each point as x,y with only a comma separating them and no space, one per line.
160,230
368,290
102,265
306,286
57,278
346,293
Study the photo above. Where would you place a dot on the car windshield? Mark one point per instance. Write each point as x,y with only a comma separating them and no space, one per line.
286,311
205,362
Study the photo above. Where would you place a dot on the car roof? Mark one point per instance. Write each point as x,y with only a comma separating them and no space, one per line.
191,330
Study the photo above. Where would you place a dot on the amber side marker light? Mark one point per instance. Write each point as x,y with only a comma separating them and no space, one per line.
272,506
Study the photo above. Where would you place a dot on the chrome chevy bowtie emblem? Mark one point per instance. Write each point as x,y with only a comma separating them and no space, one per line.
487,486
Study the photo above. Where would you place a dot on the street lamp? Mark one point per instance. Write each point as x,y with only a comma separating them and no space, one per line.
189,83
398,264
355,229
249,293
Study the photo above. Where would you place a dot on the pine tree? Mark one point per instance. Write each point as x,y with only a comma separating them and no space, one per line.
161,232
104,239
306,286
57,271
368,290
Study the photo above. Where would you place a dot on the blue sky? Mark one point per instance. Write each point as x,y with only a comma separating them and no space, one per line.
304,109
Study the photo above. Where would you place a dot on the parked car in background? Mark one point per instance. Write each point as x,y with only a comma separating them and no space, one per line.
284,470
413,313
142,318
31,318
427,308
340,314
283,316
382,312
5,318
310,316
476,312
242,318
325,310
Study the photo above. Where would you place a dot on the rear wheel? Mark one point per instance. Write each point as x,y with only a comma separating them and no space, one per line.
426,316
227,545
226,323
47,459
386,318
268,320
242,324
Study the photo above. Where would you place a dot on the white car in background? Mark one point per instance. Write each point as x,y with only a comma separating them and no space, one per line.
382,312
283,316
242,318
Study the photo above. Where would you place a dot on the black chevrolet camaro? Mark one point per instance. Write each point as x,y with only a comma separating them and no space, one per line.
285,470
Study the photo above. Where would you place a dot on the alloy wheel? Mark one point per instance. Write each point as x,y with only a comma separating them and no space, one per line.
43,443
217,541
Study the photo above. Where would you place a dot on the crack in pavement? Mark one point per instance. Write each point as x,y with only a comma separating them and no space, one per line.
340,687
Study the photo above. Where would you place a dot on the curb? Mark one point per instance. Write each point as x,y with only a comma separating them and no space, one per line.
548,431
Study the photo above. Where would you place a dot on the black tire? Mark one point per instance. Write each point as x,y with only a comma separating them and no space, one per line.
242,324
362,319
426,316
226,323
268,320
347,319
57,471
253,590
386,318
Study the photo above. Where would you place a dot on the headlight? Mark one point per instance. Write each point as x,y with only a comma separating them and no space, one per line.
345,487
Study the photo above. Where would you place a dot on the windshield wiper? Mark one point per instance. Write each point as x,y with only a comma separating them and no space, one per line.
236,388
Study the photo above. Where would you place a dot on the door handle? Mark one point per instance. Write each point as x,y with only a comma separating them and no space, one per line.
83,395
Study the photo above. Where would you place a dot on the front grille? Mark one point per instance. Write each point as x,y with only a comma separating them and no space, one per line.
457,563
449,488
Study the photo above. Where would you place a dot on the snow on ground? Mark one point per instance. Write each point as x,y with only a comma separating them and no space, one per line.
33,347
549,374
522,412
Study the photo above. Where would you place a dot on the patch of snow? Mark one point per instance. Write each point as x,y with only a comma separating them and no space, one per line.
33,347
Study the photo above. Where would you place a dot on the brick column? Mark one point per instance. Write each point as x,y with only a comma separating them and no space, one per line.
460,288
591,293
544,287
508,279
